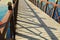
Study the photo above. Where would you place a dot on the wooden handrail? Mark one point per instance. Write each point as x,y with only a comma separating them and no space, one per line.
5,20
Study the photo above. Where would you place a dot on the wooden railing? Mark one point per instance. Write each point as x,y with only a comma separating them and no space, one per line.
50,11
9,20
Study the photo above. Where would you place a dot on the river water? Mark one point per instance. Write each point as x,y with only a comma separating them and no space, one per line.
3,11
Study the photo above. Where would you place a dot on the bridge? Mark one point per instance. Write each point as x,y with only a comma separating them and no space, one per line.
29,21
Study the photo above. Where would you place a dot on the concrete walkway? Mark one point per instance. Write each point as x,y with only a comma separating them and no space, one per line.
34,24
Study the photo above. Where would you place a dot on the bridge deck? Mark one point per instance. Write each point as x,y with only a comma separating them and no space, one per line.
34,24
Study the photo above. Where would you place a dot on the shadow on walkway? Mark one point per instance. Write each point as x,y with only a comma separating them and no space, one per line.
41,23
50,33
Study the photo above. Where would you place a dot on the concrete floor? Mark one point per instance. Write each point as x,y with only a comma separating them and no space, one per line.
34,24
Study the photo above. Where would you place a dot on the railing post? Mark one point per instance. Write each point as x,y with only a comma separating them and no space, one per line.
1,38
57,13
12,29
12,23
37,3
13,19
34,1
41,4
46,6
54,9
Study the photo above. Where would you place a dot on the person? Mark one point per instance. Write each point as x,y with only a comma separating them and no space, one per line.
9,6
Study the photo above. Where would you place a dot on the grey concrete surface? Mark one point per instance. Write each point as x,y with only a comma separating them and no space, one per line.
34,24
